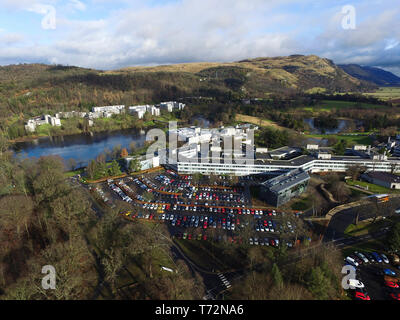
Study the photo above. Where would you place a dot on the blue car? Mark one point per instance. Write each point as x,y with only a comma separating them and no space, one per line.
377,257
389,272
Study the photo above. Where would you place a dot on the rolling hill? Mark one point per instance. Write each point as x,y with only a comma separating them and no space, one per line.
31,89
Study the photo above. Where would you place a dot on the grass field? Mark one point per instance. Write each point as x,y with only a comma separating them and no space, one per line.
257,121
329,105
386,93
364,227
351,139
43,130
74,173
369,246
372,187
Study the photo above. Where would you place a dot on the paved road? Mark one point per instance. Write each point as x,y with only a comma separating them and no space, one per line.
341,220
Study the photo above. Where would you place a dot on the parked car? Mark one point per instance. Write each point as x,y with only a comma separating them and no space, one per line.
351,261
391,284
361,256
361,294
355,283
370,257
384,258
389,272
377,257
395,295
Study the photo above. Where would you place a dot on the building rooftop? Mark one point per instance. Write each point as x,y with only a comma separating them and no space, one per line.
286,180
384,176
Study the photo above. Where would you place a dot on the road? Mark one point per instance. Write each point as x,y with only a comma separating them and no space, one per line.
341,220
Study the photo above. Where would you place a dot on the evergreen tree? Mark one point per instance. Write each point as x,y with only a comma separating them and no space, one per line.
114,170
393,237
277,276
318,284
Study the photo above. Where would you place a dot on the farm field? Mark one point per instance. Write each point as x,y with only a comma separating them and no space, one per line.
329,105
386,93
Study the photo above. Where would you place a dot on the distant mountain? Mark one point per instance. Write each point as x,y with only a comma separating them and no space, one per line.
377,76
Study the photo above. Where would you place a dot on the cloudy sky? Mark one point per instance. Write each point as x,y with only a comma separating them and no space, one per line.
110,34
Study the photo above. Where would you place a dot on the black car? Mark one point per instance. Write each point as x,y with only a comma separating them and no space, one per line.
370,257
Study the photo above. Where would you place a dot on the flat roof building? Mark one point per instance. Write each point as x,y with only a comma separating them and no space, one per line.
384,179
281,189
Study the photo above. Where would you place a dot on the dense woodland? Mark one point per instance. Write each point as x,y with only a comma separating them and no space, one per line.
47,221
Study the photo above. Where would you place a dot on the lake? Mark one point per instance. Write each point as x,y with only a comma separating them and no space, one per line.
82,148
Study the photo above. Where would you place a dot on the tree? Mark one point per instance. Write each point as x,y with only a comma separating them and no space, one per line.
115,169
277,276
393,237
354,171
134,165
91,169
71,164
132,147
4,144
124,153
318,284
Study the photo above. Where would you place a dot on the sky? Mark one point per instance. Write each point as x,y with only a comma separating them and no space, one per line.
112,34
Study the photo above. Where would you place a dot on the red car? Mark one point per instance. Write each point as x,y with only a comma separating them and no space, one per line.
391,284
395,296
205,225
361,296
189,236
205,237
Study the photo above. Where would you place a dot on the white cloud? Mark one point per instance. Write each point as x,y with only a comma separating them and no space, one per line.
208,30
391,43
78,5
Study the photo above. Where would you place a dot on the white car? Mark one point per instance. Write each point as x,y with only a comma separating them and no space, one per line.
384,258
361,256
352,261
354,283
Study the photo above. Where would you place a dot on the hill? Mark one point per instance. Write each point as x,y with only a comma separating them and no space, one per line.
377,76
31,89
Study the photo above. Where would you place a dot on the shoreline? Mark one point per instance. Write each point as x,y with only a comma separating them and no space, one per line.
31,138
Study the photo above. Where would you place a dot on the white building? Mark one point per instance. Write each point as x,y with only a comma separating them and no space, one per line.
31,124
171,105
109,109
312,147
139,111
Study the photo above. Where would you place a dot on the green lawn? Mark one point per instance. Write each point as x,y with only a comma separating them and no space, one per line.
329,105
386,93
365,227
369,246
73,173
351,139
302,204
371,187
43,130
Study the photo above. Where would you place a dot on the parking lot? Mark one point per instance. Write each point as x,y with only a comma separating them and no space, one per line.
377,275
192,211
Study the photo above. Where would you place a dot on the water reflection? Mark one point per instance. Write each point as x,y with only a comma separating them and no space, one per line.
82,148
